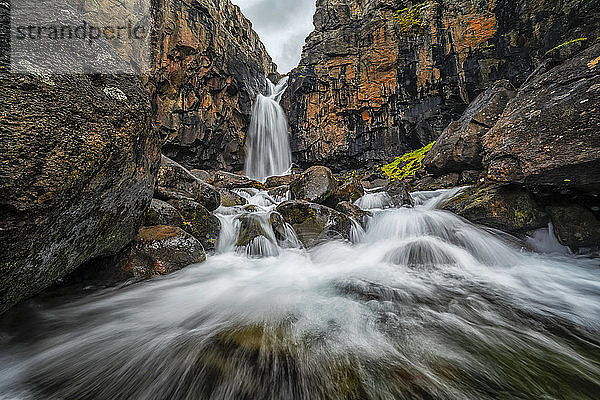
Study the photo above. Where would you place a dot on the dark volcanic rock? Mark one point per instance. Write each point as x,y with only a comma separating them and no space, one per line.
161,250
509,209
250,228
314,222
399,195
199,222
379,78
316,184
78,160
575,226
459,147
208,67
162,213
354,212
349,191
549,135
276,181
174,182
227,180
231,199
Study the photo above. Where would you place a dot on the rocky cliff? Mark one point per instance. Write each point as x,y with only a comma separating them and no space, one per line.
208,67
380,77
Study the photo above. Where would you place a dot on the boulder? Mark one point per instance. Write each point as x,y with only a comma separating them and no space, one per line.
162,213
356,213
250,228
399,195
575,226
316,184
227,180
548,137
177,183
349,191
78,159
231,199
161,250
279,192
459,147
201,174
280,180
430,182
199,222
508,208
314,223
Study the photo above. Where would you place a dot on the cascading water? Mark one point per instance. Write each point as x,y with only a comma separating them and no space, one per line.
423,306
267,145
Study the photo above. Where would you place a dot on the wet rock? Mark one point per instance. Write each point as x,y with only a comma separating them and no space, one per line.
77,171
227,180
430,182
201,174
349,191
250,228
176,183
547,139
231,199
459,147
199,222
316,184
280,192
160,250
470,177
277,181
507,208
314,222
162,213
575,227
354,212
399,195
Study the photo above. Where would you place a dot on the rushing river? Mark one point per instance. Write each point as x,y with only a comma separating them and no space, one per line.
422,306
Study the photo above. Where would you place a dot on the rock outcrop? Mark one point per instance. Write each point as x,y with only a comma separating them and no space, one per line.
316,184
78,164
548,137
208,67
378,78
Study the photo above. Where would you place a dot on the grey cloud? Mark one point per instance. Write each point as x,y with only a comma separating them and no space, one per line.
282,26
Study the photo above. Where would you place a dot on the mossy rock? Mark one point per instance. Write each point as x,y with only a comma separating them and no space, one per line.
507,208
575,226
316,184
199,222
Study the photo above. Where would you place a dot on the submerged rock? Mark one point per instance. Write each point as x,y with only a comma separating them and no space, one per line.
250,228
174,182
315,222
316,184
575,226
199,222
77,171
507,208
160,250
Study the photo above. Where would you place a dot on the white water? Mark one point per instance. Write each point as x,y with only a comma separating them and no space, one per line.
267,145
424,306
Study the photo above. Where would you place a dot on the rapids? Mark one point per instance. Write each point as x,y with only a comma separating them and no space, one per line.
423,305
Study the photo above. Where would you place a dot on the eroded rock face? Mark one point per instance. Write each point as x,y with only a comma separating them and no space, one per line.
208,67
314,222
549,135
507,208
77,172
379,78
459,147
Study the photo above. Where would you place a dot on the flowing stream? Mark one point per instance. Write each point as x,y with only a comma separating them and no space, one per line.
267,145
423,305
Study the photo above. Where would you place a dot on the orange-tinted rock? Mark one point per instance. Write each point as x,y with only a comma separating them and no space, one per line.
379,78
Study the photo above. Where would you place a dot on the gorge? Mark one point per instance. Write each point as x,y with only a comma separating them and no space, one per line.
412,212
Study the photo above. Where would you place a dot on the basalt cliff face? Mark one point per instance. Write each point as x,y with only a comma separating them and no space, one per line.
380,77
208,67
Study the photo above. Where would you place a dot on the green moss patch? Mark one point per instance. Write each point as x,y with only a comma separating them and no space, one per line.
407,164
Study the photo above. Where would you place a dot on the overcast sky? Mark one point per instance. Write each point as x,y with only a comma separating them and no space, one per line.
282,26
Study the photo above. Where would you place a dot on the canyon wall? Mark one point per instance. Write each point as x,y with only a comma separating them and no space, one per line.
378,78
208,66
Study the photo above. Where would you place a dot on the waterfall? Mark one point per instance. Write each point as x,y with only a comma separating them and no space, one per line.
267,146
